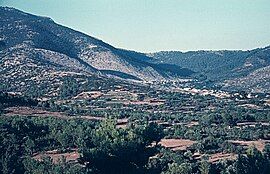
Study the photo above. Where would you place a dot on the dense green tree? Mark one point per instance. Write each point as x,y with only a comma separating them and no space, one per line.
116,150
174,168
46,166
204,167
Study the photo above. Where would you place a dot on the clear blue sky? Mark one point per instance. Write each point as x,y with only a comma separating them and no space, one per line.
153,25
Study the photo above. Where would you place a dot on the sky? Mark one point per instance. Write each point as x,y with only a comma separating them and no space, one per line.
155,25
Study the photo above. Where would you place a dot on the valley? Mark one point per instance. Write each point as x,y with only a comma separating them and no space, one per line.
71,103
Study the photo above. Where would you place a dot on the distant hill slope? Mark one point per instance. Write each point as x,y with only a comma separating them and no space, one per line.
240,70
69,48
35,50
257,81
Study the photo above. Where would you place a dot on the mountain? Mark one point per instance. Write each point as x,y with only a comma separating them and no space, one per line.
256,70
35,52
49,42
235,70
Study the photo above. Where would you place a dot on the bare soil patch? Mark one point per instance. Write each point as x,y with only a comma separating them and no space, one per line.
35,112
253,123
89,95
267,102
167,124
222,156
192,123
176,144
146,102
259,144
27,111
213,158
56,156
251,106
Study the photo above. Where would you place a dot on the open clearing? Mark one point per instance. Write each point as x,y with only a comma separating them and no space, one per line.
253,123
57,156
222,156
213,158
259,144
35,112
176,144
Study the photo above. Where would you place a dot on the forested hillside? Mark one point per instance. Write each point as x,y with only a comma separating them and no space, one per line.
240,70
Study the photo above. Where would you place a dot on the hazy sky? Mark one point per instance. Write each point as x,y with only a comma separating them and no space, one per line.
153,25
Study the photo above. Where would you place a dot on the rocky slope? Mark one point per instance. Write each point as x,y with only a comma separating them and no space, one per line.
68,48
35,51
256,70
